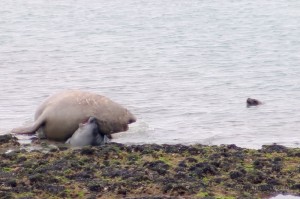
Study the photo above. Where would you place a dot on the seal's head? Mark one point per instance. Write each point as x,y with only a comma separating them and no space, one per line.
120,123
253,102
87,134
91,125
92,120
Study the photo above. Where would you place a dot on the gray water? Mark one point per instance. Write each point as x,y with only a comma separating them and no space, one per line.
184,68
280,196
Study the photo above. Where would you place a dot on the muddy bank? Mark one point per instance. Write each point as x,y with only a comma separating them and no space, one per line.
147,171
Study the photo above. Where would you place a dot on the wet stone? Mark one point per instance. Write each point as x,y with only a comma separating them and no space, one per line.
87,151
132,158
195,151
218,180
63,147
81,175
11,183
266,188
6,195
144,149
92,196
235,174
274,148
191,160
294,154
122,192
256,177
177,189
52,150
296,186
55,189
182,164
260,163
159,166
233,146
273,181
247,186
180,175
277,167
178,148
36,178
225,166
204,168
21,159
5,138
215,156
95,187
30,164
277,159
11,155
216,163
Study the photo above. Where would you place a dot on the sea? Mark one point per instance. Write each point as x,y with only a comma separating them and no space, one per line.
184,68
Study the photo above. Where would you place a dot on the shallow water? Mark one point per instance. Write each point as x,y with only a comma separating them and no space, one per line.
280,196
184,68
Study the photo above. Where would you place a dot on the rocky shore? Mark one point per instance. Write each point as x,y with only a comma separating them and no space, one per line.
147,171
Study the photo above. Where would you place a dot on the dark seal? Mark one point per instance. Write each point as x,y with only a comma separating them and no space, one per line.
253,102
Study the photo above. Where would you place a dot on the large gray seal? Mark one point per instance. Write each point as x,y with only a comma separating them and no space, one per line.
87,134
59,116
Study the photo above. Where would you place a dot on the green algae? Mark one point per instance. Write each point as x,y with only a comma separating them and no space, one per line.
201,194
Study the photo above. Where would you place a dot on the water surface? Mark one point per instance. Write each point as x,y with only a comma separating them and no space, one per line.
184,68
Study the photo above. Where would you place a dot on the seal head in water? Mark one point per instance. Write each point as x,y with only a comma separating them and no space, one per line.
252,102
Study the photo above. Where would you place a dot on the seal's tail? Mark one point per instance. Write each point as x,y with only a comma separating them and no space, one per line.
23,130
29,129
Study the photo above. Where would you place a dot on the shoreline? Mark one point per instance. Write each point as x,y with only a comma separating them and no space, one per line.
147,171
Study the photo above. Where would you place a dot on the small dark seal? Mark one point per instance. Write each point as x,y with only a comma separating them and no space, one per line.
253,102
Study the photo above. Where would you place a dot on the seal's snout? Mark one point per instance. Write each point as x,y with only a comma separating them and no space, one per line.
130,117
132,120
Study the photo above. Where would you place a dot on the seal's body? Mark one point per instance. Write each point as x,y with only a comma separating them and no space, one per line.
87,134
59,116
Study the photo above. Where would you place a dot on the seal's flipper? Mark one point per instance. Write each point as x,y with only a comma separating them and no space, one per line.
68,141
106,139
29,129
23,130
